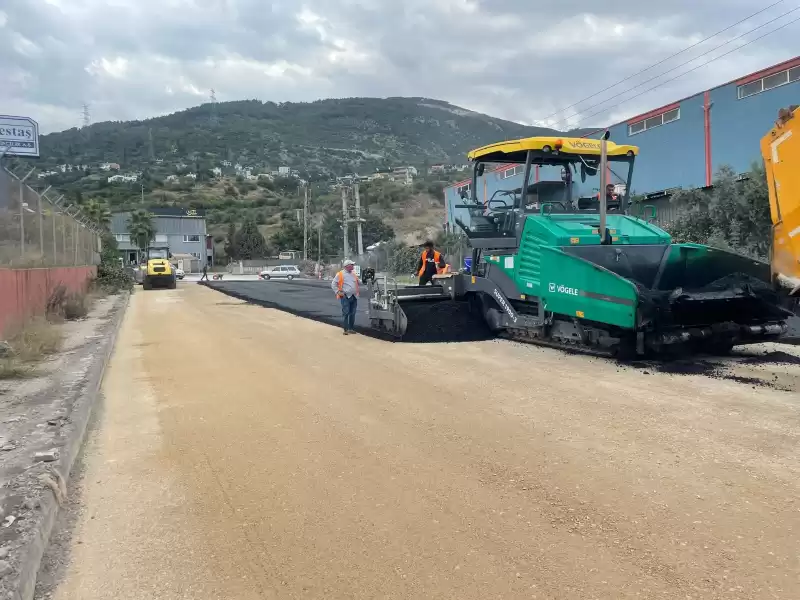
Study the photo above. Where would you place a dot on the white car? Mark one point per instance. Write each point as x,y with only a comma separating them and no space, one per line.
179,272
280,272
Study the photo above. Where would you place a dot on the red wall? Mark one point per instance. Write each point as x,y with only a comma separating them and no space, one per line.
24,292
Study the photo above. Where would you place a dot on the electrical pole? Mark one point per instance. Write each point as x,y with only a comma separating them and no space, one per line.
344,222
358,220
305,222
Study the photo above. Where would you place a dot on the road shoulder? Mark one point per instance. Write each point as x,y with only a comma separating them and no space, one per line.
48,415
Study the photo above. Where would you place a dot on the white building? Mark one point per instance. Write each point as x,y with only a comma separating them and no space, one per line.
123,178
171,178
284,171
191,176
217,172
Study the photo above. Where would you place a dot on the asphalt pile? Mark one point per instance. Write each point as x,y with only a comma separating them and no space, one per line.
443,321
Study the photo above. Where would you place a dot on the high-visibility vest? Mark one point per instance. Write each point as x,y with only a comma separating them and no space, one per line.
436,258
340,278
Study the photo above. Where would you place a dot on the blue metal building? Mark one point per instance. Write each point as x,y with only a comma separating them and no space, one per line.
682,144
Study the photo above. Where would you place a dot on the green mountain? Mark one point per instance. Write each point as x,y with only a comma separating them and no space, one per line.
189,159
322,138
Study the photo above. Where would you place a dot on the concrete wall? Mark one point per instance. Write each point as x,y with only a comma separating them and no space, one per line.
25,291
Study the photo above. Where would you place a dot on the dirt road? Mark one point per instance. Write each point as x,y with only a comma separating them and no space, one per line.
245,453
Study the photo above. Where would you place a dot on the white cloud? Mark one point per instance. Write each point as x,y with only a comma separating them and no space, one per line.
515,59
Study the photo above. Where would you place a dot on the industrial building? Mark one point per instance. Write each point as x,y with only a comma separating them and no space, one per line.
683,143
182,230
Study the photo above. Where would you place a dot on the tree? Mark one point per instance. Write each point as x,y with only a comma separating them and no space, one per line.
734,214
375,230
289,236
98,213
250,243
141,228
230,242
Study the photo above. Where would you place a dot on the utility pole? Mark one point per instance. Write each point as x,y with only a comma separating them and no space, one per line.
319,240
22,206
344,222
305,222
358,220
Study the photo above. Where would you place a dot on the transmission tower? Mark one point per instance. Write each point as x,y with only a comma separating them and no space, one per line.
213,119
151,149
87,117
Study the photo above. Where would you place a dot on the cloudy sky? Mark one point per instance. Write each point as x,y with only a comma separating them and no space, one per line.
518,59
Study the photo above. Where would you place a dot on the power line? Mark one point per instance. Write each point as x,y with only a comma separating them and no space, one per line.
640,84
662,61
687,72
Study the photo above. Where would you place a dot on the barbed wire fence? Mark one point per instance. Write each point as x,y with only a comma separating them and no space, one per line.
41,229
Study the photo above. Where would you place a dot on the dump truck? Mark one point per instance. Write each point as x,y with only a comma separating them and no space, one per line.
781,151
158,272
579,271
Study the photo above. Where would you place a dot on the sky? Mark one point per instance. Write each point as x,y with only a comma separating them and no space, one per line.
521,60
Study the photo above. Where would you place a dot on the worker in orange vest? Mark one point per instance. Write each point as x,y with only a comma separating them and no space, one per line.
345,286
430,263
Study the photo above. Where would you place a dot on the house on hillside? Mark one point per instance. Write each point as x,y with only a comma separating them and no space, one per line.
130,178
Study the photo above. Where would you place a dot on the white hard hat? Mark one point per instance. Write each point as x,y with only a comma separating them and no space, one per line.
347,263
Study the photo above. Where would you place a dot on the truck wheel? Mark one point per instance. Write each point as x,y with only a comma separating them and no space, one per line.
146,284
173,284
266,277
290,277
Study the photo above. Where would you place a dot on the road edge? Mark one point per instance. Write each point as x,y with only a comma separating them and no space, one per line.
30,561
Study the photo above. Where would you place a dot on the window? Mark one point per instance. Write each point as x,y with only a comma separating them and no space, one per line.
650,122
196,255
518,170
464,189
123,237
191,238
769,82
161,238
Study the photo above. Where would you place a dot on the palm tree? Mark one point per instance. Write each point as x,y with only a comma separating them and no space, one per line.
141,228
98,213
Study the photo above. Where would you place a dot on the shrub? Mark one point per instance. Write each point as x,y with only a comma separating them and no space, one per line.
76,306
113,278
29,344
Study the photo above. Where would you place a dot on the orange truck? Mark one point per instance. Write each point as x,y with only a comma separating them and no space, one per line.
781,151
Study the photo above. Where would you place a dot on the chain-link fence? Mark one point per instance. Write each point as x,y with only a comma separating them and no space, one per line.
40,229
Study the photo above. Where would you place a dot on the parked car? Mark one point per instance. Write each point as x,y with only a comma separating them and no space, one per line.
179,272
280,272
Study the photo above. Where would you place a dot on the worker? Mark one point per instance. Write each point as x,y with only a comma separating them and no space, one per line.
429,264
612,199
345,286
205,272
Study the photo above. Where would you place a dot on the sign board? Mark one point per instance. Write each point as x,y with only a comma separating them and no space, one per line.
19,136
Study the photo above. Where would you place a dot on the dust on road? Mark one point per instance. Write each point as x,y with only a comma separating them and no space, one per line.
246,453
